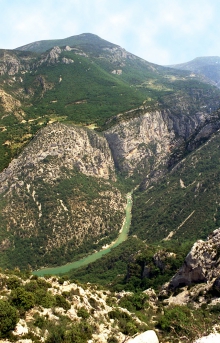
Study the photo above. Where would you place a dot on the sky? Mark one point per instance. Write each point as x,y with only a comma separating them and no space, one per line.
159,31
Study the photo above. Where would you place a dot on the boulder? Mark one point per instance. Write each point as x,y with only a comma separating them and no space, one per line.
145,337
216,286
212,338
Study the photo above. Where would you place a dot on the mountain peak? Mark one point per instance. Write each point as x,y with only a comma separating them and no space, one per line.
78,40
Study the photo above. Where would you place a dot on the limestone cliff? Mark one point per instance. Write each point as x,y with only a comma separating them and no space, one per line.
144,143
73,147
202,264
60,193
11,63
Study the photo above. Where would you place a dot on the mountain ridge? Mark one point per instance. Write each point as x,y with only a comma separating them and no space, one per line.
84,38
134,121
208,66
80,127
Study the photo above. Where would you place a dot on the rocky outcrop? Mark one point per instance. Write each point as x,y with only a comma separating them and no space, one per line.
212,338
118,54
52,57
9,103
145,337
73,147
83,304
140,143
61,188
201,264
144,143
12,63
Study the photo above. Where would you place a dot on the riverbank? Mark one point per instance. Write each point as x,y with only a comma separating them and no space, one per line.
123,235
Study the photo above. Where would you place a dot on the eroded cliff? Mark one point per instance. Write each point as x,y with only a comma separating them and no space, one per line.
60,195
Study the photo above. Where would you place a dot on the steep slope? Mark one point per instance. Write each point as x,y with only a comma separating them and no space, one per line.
39,310
59,198
82,79
67,173
201,264
183,205
208,66
146,143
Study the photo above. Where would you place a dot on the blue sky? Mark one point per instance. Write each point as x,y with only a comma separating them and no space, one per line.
160,31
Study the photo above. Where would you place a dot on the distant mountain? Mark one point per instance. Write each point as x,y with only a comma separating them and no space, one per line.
209,67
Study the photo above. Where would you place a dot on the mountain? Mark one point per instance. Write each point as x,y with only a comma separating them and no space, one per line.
90,81
59,198
85,128
87,40
85,123
184,203
209,67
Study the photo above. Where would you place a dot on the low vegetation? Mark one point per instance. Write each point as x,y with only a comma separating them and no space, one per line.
54,310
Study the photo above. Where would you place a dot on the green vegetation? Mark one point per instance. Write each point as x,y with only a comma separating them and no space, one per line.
184,202
124,321
79,333
130,313
85,91
8,318
82,312
182,321
133,266
77,192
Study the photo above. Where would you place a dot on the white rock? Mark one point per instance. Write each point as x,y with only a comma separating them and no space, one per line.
212,338
145,337
21,328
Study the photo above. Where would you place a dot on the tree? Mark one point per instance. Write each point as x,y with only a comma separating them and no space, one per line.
22,299
8,318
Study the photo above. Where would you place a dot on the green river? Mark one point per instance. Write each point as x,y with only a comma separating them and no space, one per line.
95,256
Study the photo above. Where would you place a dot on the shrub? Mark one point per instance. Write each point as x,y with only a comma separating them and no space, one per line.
39,321
215,309
22,299
8,318
13,282
45,299
126,324
93,302
82,312
78,333
61,302
112,339
135,302
176,318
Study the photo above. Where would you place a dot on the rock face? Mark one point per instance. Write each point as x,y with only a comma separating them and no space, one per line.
145,143
201,264
145,337
73,147
60,192
12,63
140,142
